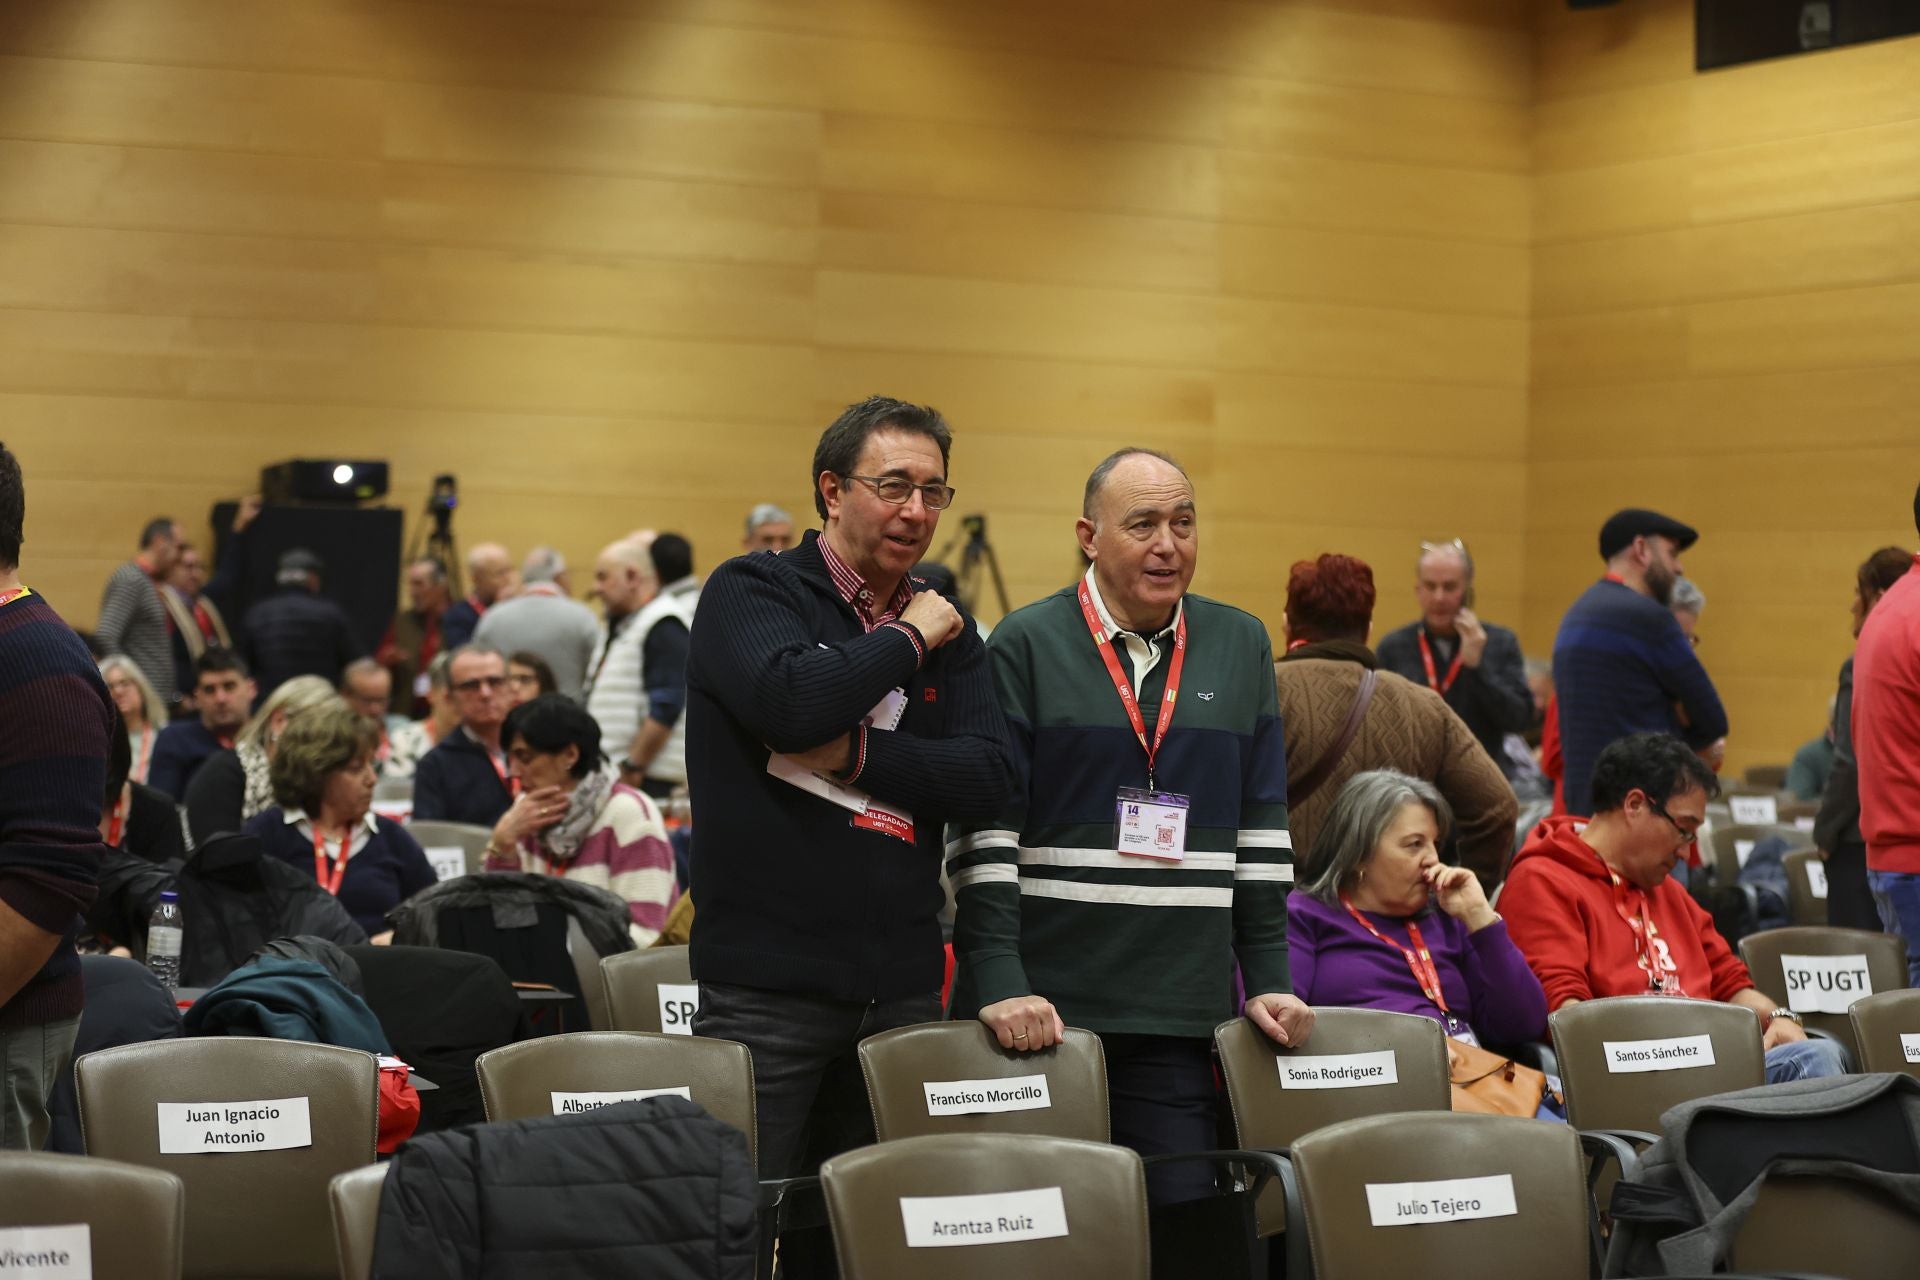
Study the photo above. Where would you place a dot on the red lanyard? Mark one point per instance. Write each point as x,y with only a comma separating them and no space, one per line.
478,608
1661,980
146,753
1434,682
1418,958
511,784
331,883
7,598
117,826
1125,686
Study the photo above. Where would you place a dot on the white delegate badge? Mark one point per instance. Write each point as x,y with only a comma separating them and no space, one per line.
567,1104
1816,877
222,1128
1628,1056
47,1253
987,1097
1338,1070
449,862
1402,1204
1825,984
998,1217
1152,824
1910,1047
679,1001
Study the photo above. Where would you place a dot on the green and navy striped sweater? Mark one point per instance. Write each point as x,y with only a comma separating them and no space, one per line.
1046,906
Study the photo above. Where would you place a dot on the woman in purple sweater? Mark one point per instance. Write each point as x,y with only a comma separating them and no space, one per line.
1379,922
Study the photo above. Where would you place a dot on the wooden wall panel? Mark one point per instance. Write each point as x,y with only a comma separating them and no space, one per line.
1726,326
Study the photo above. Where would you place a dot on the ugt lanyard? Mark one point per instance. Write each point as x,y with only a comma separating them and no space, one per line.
1434,682
1418,958
8,597
331,883
1102,642
1659,981
511,784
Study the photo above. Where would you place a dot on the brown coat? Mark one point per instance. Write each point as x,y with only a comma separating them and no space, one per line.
1407,727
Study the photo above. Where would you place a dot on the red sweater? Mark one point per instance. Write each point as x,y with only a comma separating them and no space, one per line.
1559,906
1886,727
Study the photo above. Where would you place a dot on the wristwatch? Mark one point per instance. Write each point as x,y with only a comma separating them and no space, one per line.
1789,1015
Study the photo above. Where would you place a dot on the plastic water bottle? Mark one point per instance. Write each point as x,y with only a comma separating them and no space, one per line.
164,934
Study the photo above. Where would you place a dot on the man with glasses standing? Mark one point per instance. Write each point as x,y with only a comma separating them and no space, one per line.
1475,666
464,778
837,717
1593,906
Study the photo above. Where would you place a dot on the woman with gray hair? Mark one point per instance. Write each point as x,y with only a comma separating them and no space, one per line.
1381,923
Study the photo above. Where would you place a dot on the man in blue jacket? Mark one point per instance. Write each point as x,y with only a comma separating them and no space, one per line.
1621,664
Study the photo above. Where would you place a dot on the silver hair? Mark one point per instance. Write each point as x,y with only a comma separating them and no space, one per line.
1687,595
1451,547
543,564
1360,816
766,513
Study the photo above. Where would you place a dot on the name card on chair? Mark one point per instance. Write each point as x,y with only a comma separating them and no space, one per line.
47,1253
567,1104
986,1097
449,862
998,1217
1816,877
1675,1054
1754,811
1400,1204
679,1001
1742,850
221,1128
1825,984
1910,1047
1339,1070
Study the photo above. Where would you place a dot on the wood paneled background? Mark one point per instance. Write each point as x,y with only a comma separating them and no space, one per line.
1376,270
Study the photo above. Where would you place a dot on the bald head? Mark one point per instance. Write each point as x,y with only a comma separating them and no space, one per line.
490,569
623,575
1140,529
1135,463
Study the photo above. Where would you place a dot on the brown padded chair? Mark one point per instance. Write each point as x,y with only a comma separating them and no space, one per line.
1886,967
632,986
518,1081
256,1213
1767,777
1267,1117
586,967
1545,1239
1802,905
1878,1023
898,1064
1634,1101
137,1217
1828,1227
469,838
1726,842
1103,1189
355,1197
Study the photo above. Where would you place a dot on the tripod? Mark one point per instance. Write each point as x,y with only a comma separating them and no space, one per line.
441,500
975,555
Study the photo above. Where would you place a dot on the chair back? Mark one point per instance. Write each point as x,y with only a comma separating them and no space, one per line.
1820,972
1016,1206
132,1219
470,839
633,998
255,1129
1625,1059
355,1197
953,1077
1767,778
582,1070
1358,1062
586,967
1886,1029
1826,1226
1451,1197
1806,887
1734,840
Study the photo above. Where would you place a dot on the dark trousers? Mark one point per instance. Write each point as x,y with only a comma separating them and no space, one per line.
1849,899
1160,1090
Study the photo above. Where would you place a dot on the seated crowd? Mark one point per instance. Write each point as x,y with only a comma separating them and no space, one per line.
1345,827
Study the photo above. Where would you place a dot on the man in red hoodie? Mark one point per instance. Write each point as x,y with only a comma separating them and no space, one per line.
1591,904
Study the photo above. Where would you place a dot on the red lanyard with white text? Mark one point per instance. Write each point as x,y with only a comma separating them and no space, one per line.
8,597
1434,682
331,883
1418,958
1101,641
1660,981
117,824
139,773
511,784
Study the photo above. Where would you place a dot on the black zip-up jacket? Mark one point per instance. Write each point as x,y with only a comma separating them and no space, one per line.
791,895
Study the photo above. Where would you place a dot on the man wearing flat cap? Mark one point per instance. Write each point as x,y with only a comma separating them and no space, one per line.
1621,664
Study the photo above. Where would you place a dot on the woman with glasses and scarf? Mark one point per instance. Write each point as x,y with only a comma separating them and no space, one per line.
573,818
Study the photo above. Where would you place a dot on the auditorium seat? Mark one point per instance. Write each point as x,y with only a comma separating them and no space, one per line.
255,1213
1883,956
1886,1031
355,1199
134,1217
1064,1209
1602,1095
906,1070
632,982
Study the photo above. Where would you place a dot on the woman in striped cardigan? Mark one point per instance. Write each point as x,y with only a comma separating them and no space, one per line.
572,818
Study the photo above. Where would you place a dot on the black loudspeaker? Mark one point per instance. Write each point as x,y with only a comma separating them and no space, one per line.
360,548
332,480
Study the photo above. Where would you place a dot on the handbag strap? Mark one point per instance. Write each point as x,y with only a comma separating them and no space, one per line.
1299,788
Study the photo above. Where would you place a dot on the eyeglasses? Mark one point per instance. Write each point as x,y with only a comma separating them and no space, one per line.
480,682
1686,836
897,489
